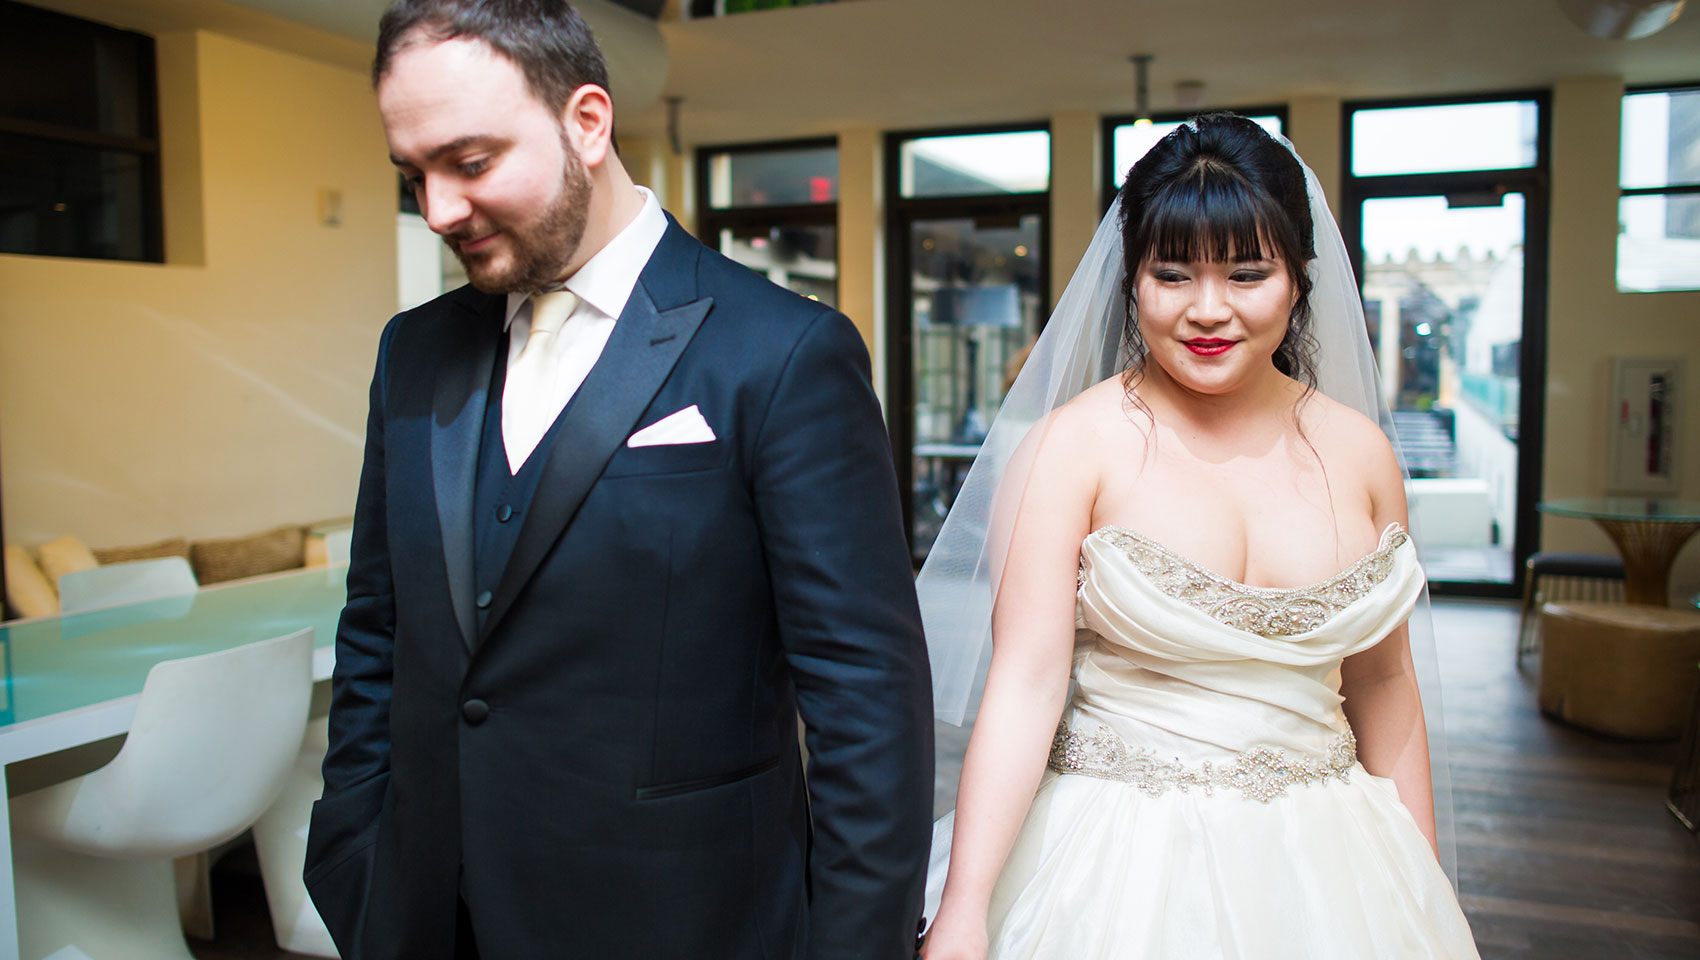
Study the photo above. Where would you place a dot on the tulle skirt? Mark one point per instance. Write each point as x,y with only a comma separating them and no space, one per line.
1330,871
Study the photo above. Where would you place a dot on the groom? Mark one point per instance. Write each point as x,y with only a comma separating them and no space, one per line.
627,510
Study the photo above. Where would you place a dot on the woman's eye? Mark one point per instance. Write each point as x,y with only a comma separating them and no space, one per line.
1250,276
1169,276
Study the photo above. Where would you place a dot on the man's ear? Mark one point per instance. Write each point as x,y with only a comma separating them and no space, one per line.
588,119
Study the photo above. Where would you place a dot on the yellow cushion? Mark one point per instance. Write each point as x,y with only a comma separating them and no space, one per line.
215,561
64,555
26,588
172,547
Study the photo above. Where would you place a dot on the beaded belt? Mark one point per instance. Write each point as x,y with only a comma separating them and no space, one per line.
1262,773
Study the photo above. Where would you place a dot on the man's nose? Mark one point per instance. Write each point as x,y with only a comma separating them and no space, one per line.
444,207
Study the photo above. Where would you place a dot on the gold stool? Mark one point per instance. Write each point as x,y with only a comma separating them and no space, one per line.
1621,669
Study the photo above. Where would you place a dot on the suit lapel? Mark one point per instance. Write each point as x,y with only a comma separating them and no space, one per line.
457,422
642,351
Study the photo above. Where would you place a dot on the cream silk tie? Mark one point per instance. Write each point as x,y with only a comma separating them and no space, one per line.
527,412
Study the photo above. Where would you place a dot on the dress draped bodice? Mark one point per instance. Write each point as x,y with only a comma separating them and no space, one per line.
1191,689
1187,667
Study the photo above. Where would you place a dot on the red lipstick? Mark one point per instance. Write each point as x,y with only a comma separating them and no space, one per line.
1209,348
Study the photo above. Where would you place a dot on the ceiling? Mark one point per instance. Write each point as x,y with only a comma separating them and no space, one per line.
892,64
910,63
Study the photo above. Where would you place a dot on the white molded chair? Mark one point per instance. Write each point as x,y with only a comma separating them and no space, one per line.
213,739
126,582
280,840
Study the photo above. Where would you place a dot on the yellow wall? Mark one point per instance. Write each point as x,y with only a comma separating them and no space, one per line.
1590,322
861,240
225,391
1076,193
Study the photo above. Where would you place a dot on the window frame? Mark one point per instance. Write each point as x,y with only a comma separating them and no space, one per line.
1668,190
711,220
783,215
1535,183
145,148
901,214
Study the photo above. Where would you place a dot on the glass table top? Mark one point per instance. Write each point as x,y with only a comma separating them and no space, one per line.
53,664
1655,509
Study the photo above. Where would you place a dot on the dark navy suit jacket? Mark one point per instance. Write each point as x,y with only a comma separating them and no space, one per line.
628,783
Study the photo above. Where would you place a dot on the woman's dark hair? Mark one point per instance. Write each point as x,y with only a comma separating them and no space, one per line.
547,39
1219,188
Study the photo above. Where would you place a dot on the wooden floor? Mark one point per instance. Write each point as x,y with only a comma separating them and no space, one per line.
1565,848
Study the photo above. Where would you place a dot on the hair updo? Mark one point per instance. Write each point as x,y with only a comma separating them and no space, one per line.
1215,188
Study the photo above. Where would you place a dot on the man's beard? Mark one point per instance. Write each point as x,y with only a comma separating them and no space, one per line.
540,250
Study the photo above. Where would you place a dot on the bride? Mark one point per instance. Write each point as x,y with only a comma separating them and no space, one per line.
1200,564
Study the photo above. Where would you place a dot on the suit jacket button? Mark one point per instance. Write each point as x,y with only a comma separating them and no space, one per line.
475,710
504,513
483,599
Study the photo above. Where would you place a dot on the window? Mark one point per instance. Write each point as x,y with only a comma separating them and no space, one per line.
970,284
1126,139
774,209
1444,138
1658,240
79,148
975,164
1444,211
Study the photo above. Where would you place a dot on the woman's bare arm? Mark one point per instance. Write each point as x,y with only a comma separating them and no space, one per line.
1380,684
1032,645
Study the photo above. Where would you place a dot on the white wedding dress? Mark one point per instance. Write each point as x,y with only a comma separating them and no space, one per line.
1203,798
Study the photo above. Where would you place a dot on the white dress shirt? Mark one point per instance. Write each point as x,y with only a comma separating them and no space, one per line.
603,285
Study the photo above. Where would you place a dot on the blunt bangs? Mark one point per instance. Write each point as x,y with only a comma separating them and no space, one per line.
1213,216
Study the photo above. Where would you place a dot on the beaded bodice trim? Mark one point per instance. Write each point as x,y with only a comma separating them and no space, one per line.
1266,611
1262,773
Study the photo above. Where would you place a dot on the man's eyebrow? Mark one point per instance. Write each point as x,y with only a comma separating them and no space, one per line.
450,147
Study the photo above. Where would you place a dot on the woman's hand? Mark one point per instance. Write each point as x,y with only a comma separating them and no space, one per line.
954,938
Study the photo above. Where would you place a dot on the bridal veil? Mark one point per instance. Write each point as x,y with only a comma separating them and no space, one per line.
1080,346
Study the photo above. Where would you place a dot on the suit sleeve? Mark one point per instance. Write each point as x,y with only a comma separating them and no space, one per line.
356,764
827,502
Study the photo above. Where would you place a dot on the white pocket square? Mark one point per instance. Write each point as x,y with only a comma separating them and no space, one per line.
686,426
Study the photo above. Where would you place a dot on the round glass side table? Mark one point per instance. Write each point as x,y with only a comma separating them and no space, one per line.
1648,532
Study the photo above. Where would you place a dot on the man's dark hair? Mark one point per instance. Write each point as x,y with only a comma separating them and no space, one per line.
547,39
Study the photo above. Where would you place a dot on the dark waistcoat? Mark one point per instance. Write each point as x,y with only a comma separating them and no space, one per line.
501,501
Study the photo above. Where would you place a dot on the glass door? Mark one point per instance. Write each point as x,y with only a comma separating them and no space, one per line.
967,233
975,307
1445,213
1443,296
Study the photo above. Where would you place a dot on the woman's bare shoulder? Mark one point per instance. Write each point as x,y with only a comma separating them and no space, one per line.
1348,431
1352,443
1078,429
